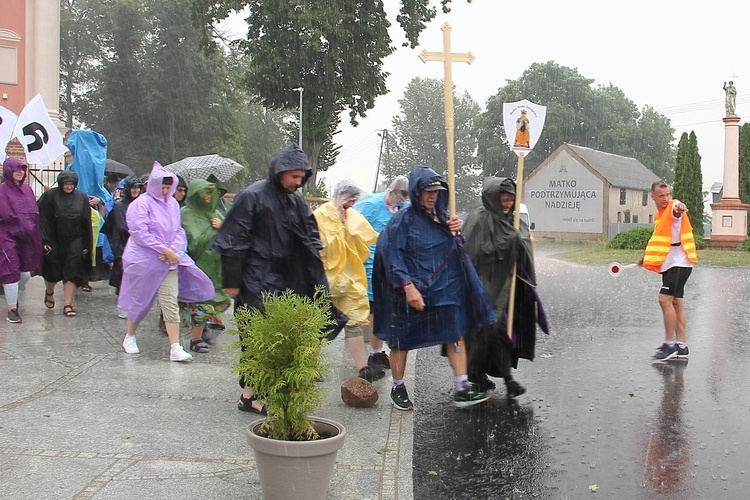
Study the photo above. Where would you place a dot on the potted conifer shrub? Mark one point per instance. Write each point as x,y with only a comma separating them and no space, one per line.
281,357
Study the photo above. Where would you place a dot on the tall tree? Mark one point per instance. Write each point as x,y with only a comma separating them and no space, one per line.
688,179
154,93
80,42
418,138
601,118
745,163
333,49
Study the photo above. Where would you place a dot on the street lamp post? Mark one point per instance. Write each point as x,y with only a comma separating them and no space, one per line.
300,90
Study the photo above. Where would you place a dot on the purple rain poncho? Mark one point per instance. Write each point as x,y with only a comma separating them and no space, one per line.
154,225
20,231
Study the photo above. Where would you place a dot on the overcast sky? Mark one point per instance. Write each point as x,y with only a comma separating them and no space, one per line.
672,55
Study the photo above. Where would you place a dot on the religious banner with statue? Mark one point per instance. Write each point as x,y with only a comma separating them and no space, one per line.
523,122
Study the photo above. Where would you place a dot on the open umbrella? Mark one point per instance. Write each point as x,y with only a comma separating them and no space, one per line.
115,167
200,167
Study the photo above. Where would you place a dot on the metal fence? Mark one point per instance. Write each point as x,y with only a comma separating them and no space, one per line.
42,178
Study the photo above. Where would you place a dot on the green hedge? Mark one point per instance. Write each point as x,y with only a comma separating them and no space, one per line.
637,239
632,239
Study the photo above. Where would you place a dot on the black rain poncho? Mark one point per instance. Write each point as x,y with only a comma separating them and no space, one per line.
269,241
116,229
495,247
66,228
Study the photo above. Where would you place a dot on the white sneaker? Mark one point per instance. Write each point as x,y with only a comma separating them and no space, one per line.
131,347
178,354
122,313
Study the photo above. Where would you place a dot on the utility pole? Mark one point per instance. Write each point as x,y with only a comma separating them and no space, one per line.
383,137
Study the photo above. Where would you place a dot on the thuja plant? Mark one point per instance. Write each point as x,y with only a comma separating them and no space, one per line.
281,358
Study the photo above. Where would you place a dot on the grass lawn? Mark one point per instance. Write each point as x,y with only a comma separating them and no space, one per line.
599,253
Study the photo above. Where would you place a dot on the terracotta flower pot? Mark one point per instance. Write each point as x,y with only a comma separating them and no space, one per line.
291,470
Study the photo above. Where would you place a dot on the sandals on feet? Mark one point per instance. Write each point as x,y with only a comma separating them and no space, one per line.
198,345
49,300
69,311
246,404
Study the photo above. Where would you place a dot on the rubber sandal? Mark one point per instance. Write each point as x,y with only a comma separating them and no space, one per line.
247,405
49,303
198,345
69,311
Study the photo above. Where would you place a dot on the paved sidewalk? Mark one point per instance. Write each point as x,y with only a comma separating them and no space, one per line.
80,419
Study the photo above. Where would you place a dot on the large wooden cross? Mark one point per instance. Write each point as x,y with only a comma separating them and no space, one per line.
448,57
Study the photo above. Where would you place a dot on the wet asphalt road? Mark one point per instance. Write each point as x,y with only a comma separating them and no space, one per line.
600,419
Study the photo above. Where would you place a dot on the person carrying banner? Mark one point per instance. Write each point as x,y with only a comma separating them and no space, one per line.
496,248
426,291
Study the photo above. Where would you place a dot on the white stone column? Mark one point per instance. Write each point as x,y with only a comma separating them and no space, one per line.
731,157
43,54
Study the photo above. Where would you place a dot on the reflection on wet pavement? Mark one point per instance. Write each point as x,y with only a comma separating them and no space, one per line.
599,415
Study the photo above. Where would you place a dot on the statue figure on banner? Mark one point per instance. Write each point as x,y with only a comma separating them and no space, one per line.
523,138
731,98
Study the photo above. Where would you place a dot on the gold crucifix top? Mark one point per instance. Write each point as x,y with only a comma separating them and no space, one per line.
448,57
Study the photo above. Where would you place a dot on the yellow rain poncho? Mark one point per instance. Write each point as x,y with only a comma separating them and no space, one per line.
346,237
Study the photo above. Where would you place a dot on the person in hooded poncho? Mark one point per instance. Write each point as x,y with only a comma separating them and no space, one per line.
180,194
155,264
201,220
67,239
378,208
346,237
425,289
269,242
20,234
116,229
496,248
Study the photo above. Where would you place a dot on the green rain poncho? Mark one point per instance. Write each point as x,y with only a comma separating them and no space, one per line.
196,220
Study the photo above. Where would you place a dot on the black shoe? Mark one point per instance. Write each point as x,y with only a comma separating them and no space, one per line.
485,385
371,373
682,352
470,396
400,398
380,359
514,389
666,352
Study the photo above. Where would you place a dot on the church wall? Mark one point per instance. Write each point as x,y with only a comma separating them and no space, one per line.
13,55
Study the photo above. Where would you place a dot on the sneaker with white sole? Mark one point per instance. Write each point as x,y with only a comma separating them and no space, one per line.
177,353
665,352
122,313
130,345
13,316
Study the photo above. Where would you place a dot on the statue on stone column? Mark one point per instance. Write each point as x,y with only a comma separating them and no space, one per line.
731,98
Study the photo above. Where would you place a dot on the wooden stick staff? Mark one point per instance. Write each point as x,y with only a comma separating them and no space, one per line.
517,225
447,57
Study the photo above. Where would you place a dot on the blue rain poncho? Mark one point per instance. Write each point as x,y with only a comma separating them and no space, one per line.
377,213
418,247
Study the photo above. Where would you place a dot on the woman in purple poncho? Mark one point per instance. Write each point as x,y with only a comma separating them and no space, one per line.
20,234
155,265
